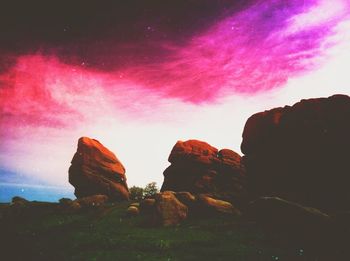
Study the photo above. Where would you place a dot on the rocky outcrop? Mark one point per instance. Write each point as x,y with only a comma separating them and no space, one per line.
197,167
96,170
301,153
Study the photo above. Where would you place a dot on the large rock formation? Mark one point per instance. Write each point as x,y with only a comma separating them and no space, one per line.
301,153
290,220
197,167
96,170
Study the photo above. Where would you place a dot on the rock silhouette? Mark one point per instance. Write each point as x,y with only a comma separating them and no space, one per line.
96,170
198,167
301,153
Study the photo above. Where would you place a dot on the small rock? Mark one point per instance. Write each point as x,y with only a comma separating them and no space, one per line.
209,204
136,204
133,211
169,210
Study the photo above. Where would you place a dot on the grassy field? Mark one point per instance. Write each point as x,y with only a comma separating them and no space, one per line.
44,233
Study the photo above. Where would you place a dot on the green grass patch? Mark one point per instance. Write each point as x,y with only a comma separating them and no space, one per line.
111,235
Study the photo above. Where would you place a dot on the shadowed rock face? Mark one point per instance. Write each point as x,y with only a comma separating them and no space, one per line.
296,223
96,170
198,167
301,153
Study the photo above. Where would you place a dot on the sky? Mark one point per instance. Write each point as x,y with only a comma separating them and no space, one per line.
141,75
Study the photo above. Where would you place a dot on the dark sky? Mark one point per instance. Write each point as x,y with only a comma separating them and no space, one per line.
88,30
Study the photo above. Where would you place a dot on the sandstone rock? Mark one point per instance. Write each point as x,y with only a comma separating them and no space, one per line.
133,211
147,202
193,151
197,167
301,153
147,206
92,201
168,209
214,206
289,219
186,198
135,204
148,211
96,170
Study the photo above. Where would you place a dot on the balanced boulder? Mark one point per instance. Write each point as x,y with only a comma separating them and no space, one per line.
96,170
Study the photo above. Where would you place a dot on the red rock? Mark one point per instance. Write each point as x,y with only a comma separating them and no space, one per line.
301,153
197,167
169,210
186,198
96,170
193,151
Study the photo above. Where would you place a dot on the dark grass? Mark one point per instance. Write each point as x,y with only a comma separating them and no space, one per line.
45,233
